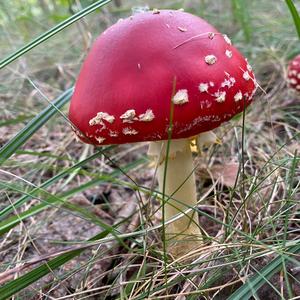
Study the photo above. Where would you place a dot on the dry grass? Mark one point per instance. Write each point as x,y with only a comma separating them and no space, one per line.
247,217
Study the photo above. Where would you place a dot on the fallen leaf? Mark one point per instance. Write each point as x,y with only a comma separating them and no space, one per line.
225,173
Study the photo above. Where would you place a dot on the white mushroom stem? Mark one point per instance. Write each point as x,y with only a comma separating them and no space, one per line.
176,179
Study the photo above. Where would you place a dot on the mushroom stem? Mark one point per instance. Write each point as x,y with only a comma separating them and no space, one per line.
177,181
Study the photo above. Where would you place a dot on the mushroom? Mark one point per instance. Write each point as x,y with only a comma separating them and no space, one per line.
293,73
141,69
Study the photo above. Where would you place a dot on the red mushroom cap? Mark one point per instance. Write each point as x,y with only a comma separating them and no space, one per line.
294,73
124,90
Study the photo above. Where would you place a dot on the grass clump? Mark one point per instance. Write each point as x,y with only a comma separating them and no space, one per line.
65,231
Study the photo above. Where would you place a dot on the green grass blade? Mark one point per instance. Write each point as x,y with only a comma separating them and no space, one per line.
11,222
256,282
43,37
242,16
36,123
22,282
294,14
48,200
10,208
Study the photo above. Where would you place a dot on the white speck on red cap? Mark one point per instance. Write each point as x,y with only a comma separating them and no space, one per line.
228,53
100,117
113,133
182,29
100,139
129,131
227,39
220,96
246,75
128,116
203,87
211,35
181,97
147,116
238,96
210,59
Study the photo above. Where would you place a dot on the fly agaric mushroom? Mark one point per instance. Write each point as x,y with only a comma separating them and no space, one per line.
293,73
125,91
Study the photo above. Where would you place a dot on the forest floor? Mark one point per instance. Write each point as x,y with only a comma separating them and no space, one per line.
114,185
